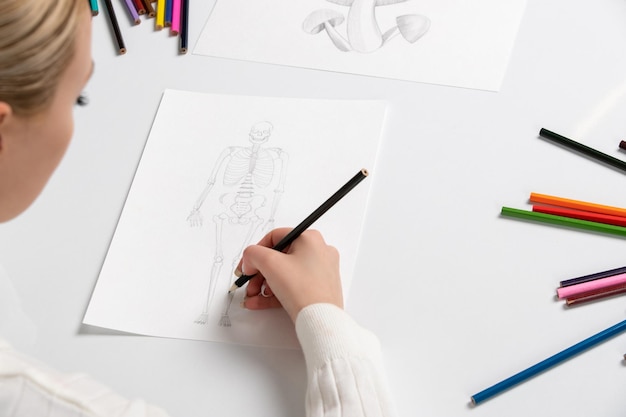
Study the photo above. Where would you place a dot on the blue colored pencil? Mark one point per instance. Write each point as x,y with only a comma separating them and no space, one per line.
548,363
168,12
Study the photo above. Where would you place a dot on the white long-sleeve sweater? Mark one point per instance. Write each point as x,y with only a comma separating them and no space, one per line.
344,368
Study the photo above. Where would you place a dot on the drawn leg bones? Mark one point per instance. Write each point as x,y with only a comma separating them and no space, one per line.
252,170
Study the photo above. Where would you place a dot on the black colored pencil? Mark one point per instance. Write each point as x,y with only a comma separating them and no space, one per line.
592,277
306,223
184,26
116,26
584,149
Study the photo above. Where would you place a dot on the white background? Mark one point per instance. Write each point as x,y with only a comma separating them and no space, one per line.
459,297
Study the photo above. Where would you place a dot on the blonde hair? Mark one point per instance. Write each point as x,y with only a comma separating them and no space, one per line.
37,44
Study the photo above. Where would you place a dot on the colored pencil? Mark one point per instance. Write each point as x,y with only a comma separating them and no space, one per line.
591,277
564,221
594,296
622,144
590,286
548,363
175,17
160,15
576,204
168,12
94,7
184,26
306,223
116,27
149,9
583,149
139,6
582,215
132,11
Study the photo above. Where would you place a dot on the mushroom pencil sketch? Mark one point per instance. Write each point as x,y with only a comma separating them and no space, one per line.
363,32
326,19
410,26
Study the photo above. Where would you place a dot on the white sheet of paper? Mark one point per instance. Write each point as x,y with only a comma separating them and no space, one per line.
156,277
462,43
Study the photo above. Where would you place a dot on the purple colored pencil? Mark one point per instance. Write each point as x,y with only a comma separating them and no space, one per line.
622,144
133,11
592,277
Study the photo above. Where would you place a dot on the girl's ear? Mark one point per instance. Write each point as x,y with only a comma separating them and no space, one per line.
5,113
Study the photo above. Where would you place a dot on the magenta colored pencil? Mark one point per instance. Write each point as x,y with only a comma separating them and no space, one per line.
598,284
133,11
175,29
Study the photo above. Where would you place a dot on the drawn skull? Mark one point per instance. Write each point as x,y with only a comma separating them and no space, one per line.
260,132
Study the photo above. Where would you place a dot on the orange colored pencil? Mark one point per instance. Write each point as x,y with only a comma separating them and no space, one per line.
576,204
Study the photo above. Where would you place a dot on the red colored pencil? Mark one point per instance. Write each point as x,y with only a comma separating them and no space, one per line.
139,7
582,215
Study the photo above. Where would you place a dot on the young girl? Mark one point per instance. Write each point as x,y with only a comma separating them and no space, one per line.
45,61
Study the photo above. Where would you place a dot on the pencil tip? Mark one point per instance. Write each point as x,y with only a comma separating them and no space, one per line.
233,288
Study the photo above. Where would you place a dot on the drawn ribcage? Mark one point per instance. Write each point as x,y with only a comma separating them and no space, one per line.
259,167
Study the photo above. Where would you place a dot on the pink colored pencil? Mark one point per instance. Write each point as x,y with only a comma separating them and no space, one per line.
573,290
133,11
175,28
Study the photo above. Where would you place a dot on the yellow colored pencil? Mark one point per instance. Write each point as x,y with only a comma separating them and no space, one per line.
160,14
576,204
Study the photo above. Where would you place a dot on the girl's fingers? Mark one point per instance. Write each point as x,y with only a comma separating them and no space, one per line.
258,302
268,241
254,286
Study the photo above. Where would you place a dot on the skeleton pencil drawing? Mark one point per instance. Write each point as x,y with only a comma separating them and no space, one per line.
245,174
362,28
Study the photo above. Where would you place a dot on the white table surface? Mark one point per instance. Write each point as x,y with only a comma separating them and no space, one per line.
460,297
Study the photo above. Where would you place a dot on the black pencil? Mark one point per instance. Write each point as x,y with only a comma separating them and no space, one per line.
584,149
116,26
592,277
306,223
184,26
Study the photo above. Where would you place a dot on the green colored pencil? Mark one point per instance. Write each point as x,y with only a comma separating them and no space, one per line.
564,221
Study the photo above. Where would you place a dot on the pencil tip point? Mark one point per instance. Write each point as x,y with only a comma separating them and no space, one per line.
233,288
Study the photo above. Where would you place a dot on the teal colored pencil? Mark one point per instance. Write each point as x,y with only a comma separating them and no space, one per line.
564,221
94,7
